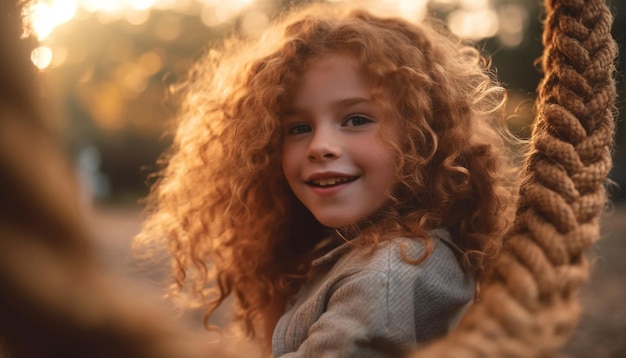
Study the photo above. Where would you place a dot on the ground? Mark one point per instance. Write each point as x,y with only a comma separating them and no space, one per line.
600,334
602,329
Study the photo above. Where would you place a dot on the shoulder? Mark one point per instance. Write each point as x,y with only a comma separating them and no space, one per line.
426,264
405,254
423,297
400,263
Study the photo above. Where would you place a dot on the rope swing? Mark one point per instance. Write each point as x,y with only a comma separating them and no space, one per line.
528,305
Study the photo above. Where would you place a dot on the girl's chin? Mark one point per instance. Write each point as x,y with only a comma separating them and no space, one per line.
338,224
345,226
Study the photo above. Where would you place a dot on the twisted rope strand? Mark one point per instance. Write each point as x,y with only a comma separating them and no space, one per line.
528,306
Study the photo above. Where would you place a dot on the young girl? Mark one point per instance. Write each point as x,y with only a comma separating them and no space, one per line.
342,178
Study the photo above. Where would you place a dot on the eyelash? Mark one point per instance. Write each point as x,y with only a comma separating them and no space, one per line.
358,116
294,130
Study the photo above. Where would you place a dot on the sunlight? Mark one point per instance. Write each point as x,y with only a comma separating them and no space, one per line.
444,3
141,4
137,16
474,24
409,9
473,19
513,20
45,16
254,23
469,19
41,57
412,8
474,4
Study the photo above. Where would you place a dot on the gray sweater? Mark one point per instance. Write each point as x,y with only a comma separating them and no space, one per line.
375,306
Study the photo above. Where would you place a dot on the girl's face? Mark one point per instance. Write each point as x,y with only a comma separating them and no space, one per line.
333,157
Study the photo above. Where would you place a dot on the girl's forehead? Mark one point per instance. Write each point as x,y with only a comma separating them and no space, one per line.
329,61
334,80
334,76
334,59
311,69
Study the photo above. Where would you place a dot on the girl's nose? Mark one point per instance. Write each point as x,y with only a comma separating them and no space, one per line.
324,145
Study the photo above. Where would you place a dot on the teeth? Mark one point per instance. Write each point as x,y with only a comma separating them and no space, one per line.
330,181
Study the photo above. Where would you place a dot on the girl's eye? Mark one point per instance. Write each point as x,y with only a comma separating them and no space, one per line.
298,129
355,121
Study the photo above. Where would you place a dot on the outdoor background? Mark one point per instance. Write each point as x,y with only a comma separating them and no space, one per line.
108,68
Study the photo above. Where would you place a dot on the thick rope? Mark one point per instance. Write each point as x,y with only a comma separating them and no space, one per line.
529,305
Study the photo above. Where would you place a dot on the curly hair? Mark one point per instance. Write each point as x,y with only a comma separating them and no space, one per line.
224,207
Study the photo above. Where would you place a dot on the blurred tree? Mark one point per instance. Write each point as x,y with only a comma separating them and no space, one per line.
111,76
112,88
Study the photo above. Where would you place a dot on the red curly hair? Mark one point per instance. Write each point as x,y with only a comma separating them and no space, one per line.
222,204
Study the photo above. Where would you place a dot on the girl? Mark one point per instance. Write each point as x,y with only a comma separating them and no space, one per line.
342,178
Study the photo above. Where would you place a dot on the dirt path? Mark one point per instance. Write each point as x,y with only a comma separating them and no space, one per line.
602,329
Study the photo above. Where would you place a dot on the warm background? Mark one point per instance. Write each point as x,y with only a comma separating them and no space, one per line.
107,67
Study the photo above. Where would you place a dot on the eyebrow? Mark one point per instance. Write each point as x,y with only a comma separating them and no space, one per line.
344,103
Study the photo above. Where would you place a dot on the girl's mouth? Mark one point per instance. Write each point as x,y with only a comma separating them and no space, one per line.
330,181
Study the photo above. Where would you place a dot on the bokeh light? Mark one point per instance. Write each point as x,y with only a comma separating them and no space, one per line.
254,23
45,16
114,67
513,22
470,19
131,48
473,24
41,57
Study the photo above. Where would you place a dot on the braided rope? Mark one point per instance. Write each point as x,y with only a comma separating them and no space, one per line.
528,306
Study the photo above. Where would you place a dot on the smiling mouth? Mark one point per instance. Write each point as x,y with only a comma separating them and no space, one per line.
332,181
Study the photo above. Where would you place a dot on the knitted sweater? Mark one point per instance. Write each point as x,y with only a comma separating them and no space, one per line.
377,305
